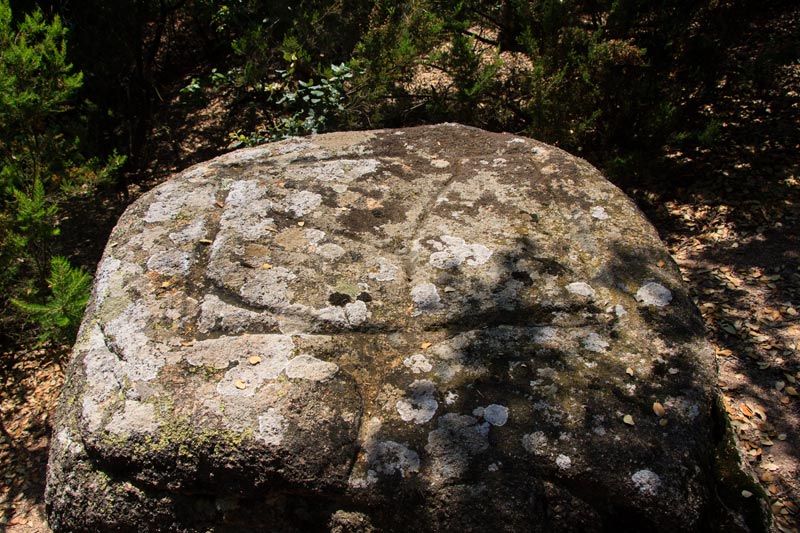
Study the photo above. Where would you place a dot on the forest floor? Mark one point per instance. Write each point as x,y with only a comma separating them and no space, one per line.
730,217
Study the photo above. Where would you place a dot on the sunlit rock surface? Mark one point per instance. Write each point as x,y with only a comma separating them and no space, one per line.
436,329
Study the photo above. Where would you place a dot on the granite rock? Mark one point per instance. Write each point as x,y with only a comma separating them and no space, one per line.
435,328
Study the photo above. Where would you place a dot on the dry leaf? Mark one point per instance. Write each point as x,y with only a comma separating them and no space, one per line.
220,204
425,345
254,359
745,409
663,422
747,494
658,409
779,385
241,385
629,371
660,264
373,204
791,391
266,266
301,223
628,419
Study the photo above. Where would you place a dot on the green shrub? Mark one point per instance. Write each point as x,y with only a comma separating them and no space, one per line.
59,316
41,164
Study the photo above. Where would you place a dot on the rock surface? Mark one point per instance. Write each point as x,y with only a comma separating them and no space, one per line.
436,328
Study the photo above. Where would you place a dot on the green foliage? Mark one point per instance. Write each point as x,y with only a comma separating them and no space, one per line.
34,226
41,163
59,316
310,107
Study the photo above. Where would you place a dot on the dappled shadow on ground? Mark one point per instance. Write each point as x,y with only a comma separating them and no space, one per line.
731,218
31,384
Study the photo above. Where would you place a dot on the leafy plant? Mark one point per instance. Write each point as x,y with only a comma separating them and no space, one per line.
309,107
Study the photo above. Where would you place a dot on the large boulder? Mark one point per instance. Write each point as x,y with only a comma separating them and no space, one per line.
435,328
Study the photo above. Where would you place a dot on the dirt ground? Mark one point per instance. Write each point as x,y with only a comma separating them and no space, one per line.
730,217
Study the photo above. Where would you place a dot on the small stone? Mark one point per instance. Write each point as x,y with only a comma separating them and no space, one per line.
254,359
239,384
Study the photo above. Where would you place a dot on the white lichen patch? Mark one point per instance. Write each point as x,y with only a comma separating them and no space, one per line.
450,397
426,298
581,288
102,281
136,358
356,313
646,482
243,379
243,193
301,203
620,311
162,211
417,363
439,163
314,236
68,443
192,232
310,368
599,212
535,443
267,288
330,251
454,251
169,263
541,335
420,405
338,170
386,271
134,418
363,482
652,293
389,457
594,343
563,462
496,415
271,427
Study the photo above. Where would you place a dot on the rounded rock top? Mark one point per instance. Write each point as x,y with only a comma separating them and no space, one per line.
350,322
